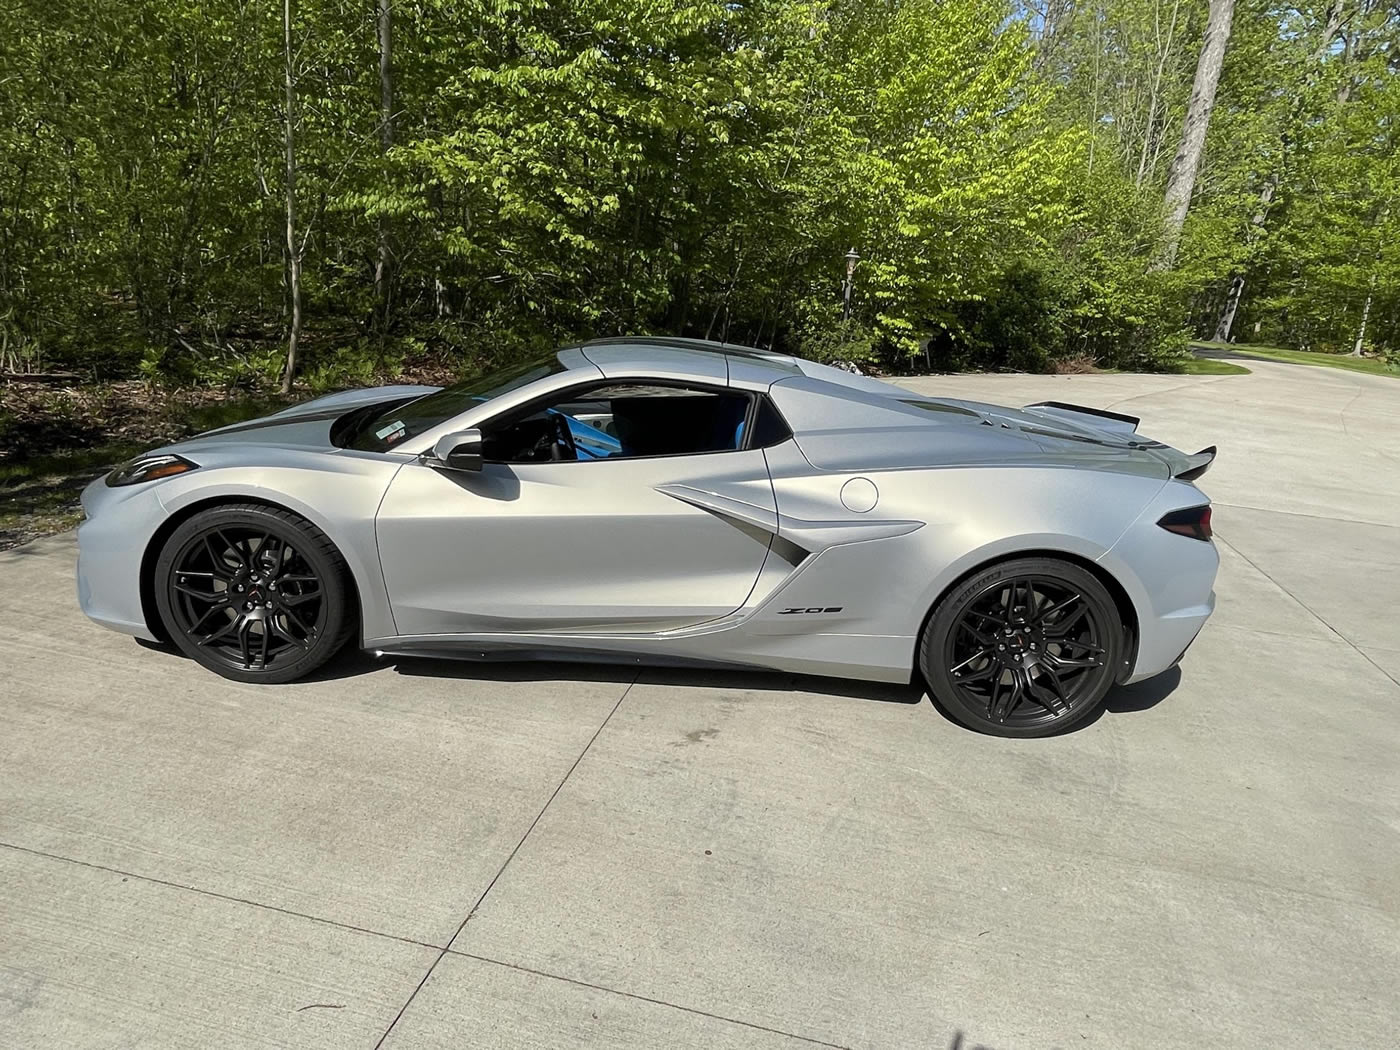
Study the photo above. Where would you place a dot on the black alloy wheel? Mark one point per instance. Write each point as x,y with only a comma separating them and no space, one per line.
255,593
1024,648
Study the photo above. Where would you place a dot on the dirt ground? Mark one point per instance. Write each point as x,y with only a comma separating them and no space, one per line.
54,439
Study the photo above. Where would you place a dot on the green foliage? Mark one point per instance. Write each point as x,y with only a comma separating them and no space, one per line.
1335,250
1013,327
692,166
349,366
842,342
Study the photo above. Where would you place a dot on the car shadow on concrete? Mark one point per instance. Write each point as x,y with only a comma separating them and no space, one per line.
652,674
1122,699
1128,699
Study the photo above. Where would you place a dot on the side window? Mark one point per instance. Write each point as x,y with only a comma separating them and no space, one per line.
622,421
769,427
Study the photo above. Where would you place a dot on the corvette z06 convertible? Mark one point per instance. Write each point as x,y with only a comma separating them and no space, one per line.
672,501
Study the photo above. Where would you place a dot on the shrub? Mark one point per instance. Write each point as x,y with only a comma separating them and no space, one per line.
844,341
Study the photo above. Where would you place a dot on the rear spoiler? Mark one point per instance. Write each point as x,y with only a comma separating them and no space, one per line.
1183,466
1102,418
1195,465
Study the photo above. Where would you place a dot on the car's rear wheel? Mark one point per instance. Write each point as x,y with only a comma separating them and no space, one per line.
254,593
1023,648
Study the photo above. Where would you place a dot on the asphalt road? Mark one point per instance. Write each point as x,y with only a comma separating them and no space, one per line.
549,856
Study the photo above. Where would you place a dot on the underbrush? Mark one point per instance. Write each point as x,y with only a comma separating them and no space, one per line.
55,439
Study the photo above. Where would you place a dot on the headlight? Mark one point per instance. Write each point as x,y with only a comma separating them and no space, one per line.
149,468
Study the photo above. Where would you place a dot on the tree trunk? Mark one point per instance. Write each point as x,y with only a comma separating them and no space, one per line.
1094,104
386,134
1227,315
1365,316
1181,180
1162,57
293,251
1329,29
1349,49
1256,226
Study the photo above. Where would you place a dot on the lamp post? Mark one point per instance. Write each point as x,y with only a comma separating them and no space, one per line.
852,257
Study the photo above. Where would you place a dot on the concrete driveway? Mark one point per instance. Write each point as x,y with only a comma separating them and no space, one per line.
442,855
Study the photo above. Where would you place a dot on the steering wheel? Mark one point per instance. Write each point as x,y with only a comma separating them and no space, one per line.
564,439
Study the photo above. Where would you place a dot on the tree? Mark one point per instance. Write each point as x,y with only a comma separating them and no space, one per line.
1232,298
1332,280
385,26
1287,70
293,246
465,181
1181,180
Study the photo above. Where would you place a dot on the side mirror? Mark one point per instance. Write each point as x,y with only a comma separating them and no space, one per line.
459,451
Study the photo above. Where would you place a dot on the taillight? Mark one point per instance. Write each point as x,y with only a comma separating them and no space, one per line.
1192,521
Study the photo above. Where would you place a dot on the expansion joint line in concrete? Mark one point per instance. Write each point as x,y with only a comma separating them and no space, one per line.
1309,610
501,870
59,859
648,999
212,893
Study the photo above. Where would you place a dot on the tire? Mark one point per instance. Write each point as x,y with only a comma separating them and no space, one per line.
254,593
1024,648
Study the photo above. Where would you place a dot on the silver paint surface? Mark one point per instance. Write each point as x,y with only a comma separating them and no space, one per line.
692,557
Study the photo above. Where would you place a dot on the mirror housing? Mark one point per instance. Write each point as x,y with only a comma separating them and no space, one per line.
458,451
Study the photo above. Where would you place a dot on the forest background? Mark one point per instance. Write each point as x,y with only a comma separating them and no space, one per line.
252,193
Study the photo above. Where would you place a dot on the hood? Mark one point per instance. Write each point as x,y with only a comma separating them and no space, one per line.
307,425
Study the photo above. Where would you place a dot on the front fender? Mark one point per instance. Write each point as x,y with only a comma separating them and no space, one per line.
339,494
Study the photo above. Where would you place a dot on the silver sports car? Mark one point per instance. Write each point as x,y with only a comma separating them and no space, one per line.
672,501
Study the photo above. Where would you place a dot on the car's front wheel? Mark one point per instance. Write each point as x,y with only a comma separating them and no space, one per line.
1023,648
255,593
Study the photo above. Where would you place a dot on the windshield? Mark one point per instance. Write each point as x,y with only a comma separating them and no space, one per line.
404,421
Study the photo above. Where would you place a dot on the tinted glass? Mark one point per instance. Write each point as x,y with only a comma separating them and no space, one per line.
405,421
769,427
623,421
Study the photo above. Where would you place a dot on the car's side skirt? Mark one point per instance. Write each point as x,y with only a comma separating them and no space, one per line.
876,658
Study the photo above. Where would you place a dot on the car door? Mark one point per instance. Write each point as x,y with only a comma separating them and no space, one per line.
629,544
